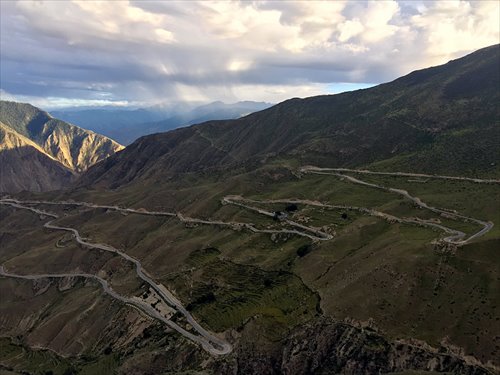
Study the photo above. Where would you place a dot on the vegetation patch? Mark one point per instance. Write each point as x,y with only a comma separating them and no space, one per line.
304,250
226,295
203,256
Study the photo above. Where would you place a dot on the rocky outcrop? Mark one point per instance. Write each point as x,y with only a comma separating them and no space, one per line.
334,347
76,148
25,166
325,346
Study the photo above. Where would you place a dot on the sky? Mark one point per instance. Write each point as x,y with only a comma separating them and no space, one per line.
57,54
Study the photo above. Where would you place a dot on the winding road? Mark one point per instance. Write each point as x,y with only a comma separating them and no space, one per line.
311,233
454,234
207,340
456,237
224,348
311,168
211,343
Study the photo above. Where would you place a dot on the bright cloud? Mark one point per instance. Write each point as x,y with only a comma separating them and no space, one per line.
78,51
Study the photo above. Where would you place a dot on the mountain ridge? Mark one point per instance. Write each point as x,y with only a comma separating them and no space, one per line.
428,126
27,133
25,166
73,146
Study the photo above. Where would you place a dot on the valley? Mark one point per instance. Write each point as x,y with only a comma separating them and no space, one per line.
354,233
256,215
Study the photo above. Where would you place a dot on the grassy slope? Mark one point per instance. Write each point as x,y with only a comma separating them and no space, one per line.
372,271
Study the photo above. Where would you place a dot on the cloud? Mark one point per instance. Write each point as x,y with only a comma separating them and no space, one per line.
451,27
157,51
58,102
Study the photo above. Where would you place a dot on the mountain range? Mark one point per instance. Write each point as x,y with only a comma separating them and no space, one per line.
39,152
441,119
355,233
125,125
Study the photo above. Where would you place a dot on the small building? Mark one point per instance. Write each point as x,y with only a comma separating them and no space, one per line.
280,216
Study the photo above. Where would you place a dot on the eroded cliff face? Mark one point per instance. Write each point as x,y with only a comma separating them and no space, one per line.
76,148
327,346
25,166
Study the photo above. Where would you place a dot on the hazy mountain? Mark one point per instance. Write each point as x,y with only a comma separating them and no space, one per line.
125,125
108,121
443,119
219,111
39,152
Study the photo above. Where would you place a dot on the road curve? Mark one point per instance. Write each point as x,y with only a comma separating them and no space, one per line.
311,168
144,307
456,237
311,233
209,341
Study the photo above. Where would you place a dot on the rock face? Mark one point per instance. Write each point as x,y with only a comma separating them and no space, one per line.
41,153
325,346
25,166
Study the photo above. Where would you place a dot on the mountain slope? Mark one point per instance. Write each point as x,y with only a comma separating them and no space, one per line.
74,147
442,119
25,166
41,153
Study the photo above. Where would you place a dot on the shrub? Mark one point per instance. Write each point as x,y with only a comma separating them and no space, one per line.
304,250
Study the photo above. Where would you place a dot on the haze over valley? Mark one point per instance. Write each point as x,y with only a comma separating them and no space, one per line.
126,125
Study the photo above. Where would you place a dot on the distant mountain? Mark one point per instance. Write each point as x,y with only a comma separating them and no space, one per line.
441,119
39,152
125,125
109,122
220,111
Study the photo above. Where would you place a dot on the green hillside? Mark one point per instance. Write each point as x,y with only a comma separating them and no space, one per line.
443,119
